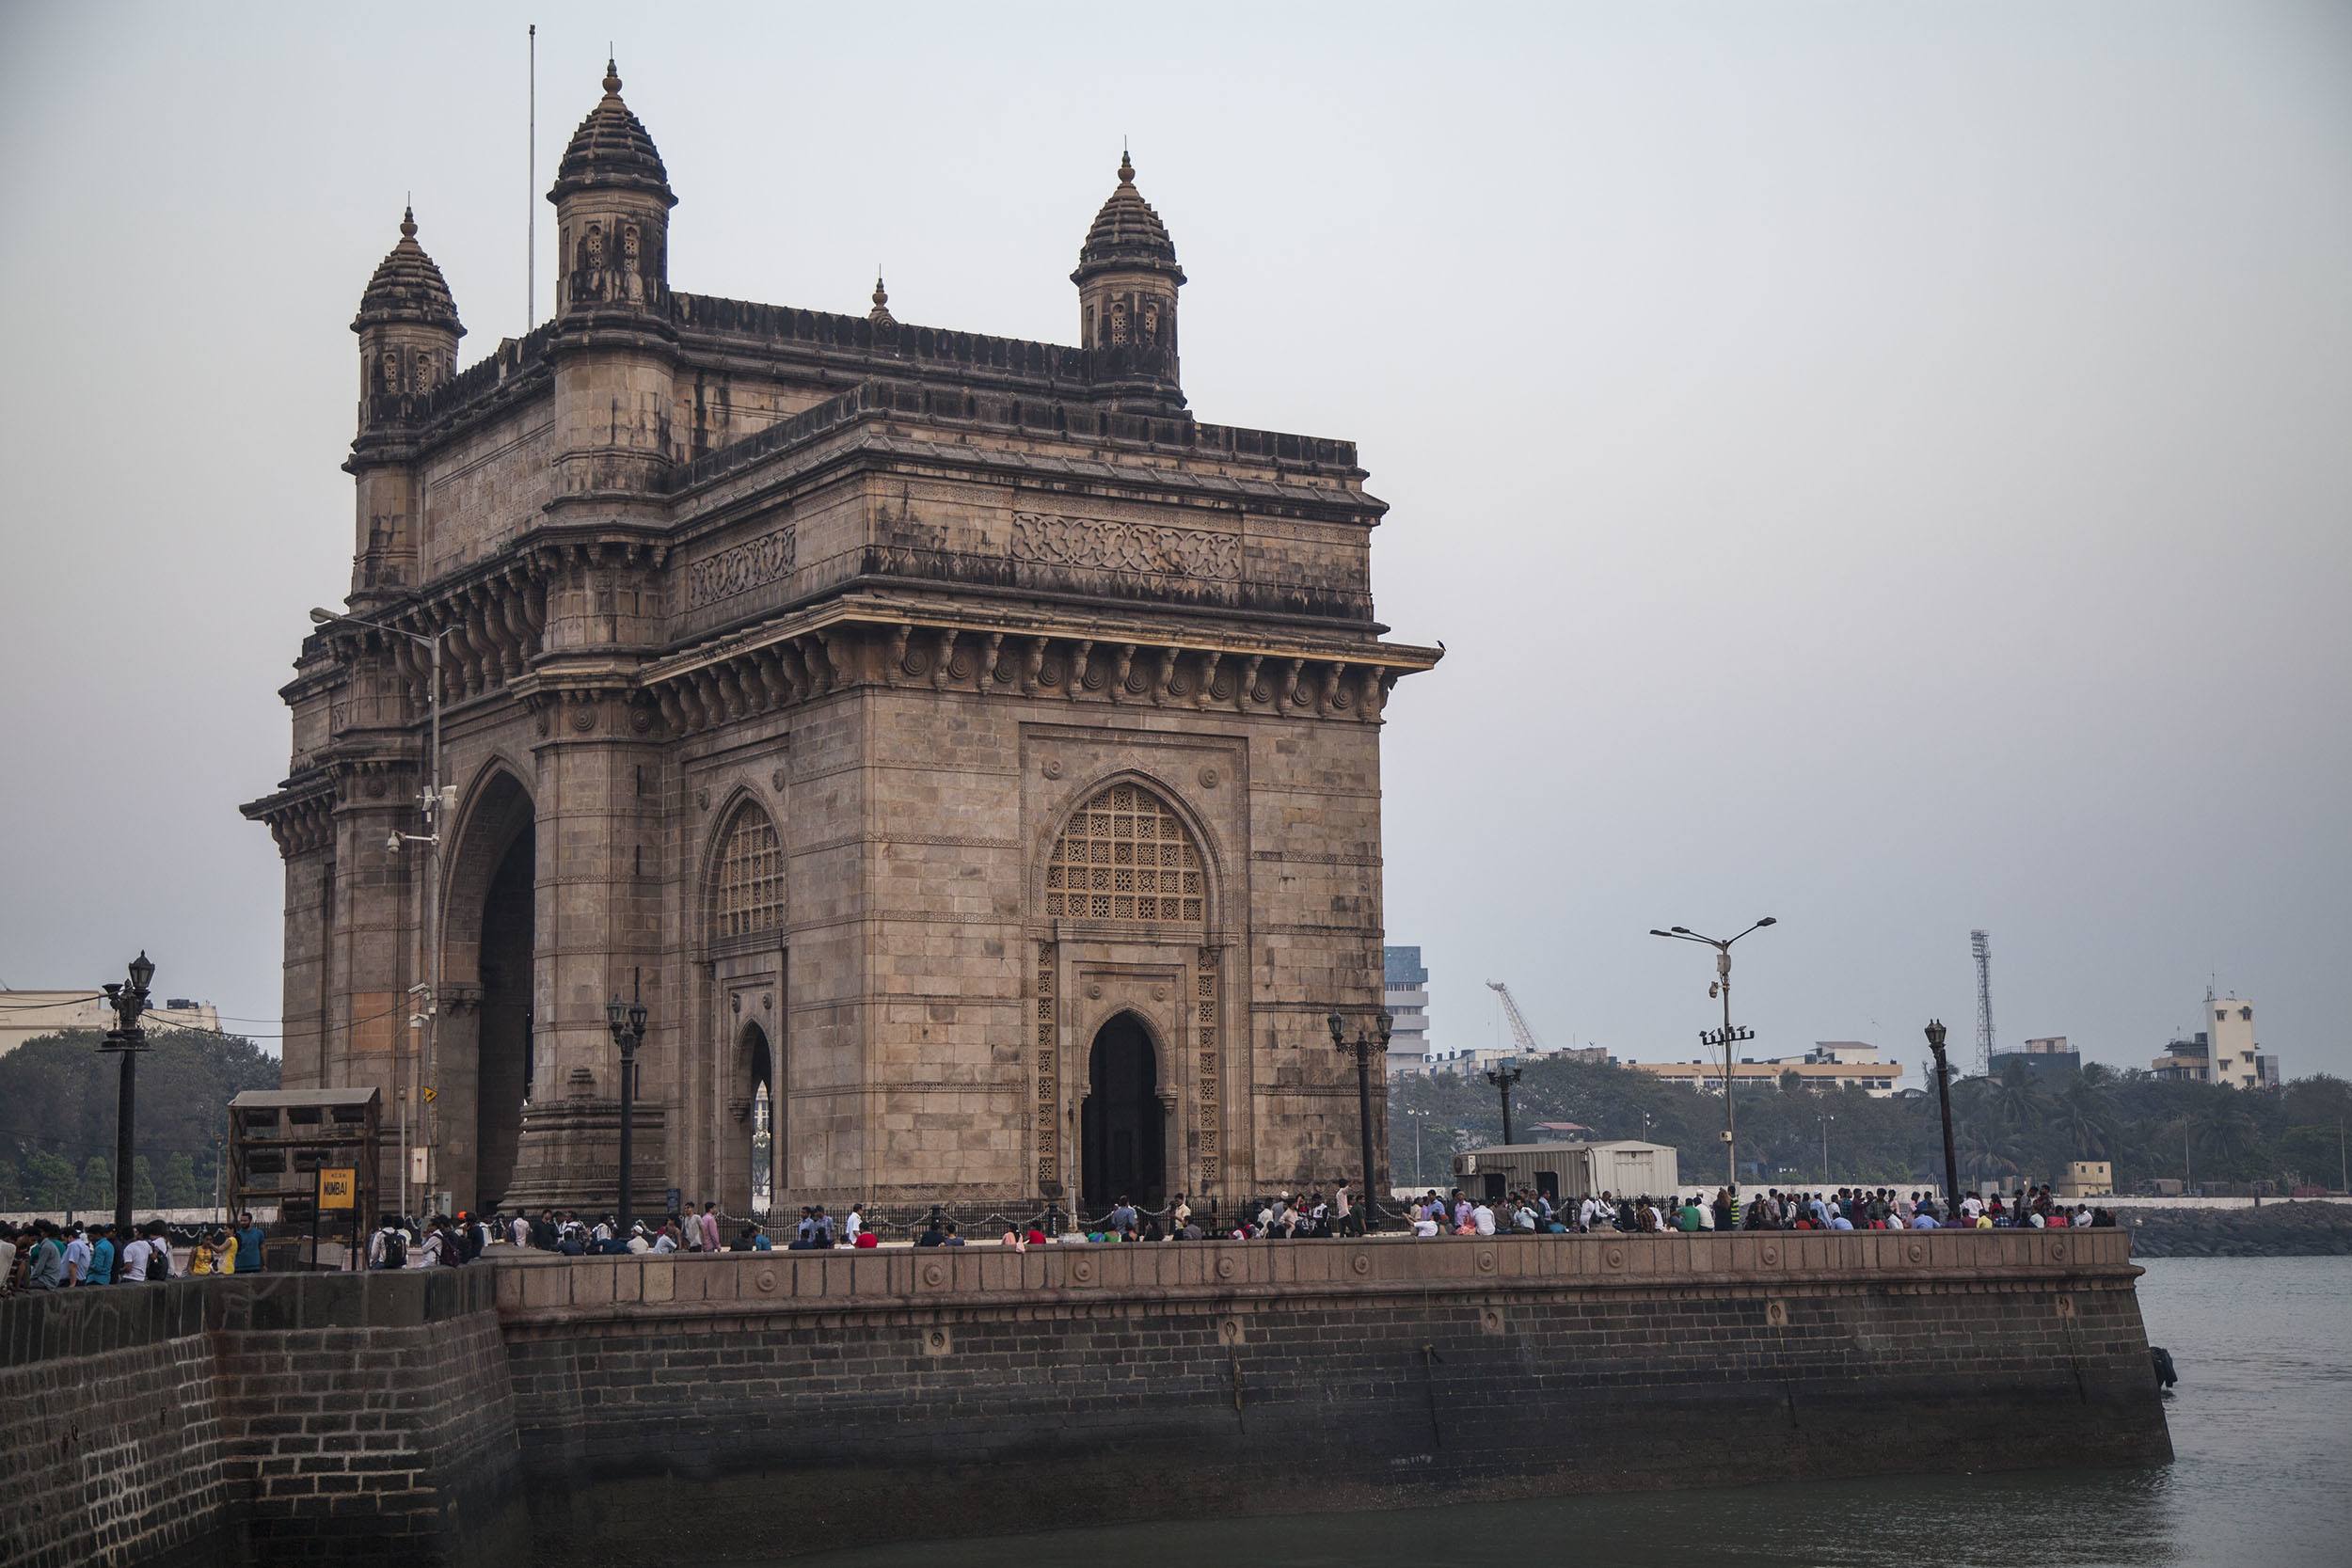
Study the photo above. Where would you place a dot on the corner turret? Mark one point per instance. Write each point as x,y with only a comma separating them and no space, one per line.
407,327
613,202
408,330
1127,280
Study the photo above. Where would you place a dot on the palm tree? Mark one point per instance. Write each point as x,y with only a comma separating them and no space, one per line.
2017,1096
2083,1112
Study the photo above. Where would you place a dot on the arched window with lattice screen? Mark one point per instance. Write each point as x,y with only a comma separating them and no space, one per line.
747,897
1125,855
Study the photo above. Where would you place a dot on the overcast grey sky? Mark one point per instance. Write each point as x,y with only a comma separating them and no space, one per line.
1885,467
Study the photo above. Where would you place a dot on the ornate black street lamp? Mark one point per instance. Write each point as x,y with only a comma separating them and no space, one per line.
1726,1036
1365,1047
1944,1101
627,1022
127,1001
1504,1079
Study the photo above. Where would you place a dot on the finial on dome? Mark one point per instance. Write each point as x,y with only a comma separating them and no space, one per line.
408,220
1126,169
880,312
612,78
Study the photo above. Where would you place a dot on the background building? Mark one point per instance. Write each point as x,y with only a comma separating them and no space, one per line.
2224,1052
29,1014
2236,1057
1829,1064
1406,983
2049,1057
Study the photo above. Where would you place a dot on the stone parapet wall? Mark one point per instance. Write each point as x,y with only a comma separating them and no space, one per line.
964,1392
111,1438
274,1417
288,1418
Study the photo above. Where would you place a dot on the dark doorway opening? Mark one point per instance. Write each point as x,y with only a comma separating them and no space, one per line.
1123,1130
762,1162
505,1070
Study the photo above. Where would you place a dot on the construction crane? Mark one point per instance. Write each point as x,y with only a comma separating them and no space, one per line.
1521,1035
1981,944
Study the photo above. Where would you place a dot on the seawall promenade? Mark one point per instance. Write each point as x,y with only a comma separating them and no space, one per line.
965,1390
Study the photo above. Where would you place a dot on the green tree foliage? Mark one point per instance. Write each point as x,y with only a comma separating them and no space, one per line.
178,1189
2016,1126
49,1182
98,1184
57,1101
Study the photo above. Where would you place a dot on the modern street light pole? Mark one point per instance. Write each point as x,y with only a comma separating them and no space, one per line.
1944,1103
129,1000
1504,1079
1364,1045
436,809
627,1025
1726,1036
1825,1119
1417,1117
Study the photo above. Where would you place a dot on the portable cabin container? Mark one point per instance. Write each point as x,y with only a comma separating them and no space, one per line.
1569,1170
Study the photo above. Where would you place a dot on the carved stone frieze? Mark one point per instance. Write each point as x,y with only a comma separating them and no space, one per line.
1104,545
741,568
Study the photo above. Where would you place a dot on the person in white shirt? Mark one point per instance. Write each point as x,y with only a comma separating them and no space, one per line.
518,1231
1586,1213
667,1241
856,1223
1483,1218
1972,1206
1425,1226
131,1266
1523,1218
435,1243
1895,1220
77,1258
637,1241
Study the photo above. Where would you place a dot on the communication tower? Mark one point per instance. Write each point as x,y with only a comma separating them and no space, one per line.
1981,944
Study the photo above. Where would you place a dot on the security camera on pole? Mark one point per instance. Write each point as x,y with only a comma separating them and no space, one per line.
1726,1036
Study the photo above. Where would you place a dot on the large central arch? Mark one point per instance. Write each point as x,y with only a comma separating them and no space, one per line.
482,1074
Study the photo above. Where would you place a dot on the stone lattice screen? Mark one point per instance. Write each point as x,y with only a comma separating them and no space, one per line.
1125,857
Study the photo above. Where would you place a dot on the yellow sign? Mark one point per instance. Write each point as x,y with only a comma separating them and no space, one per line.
431,1094
339,1187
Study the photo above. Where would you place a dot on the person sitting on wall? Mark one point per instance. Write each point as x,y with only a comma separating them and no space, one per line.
951,1239
934,1233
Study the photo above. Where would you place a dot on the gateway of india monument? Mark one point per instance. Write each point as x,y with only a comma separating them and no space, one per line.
969,758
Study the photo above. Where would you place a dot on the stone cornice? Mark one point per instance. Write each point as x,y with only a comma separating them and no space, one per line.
300,814
949,644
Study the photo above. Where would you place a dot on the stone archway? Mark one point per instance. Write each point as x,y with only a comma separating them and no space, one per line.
1123,1132
483,1068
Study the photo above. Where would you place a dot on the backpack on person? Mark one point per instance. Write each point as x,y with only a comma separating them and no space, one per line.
158,1260
395,1250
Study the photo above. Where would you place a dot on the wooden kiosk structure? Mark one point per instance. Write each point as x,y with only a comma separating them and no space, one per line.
286,1146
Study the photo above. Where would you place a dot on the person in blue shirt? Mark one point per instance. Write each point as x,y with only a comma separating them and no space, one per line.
249,1245
102,1256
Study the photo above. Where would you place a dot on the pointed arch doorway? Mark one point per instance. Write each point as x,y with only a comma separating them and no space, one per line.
1122,1128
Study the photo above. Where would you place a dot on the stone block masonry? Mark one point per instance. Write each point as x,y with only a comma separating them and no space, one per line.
958,1392
271,1418
437,1416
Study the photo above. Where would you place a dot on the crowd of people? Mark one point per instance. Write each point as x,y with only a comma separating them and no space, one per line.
47,1255
44,1254
1847,1209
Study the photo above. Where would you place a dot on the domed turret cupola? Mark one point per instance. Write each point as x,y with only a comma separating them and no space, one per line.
1127,280
408,332
613,202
